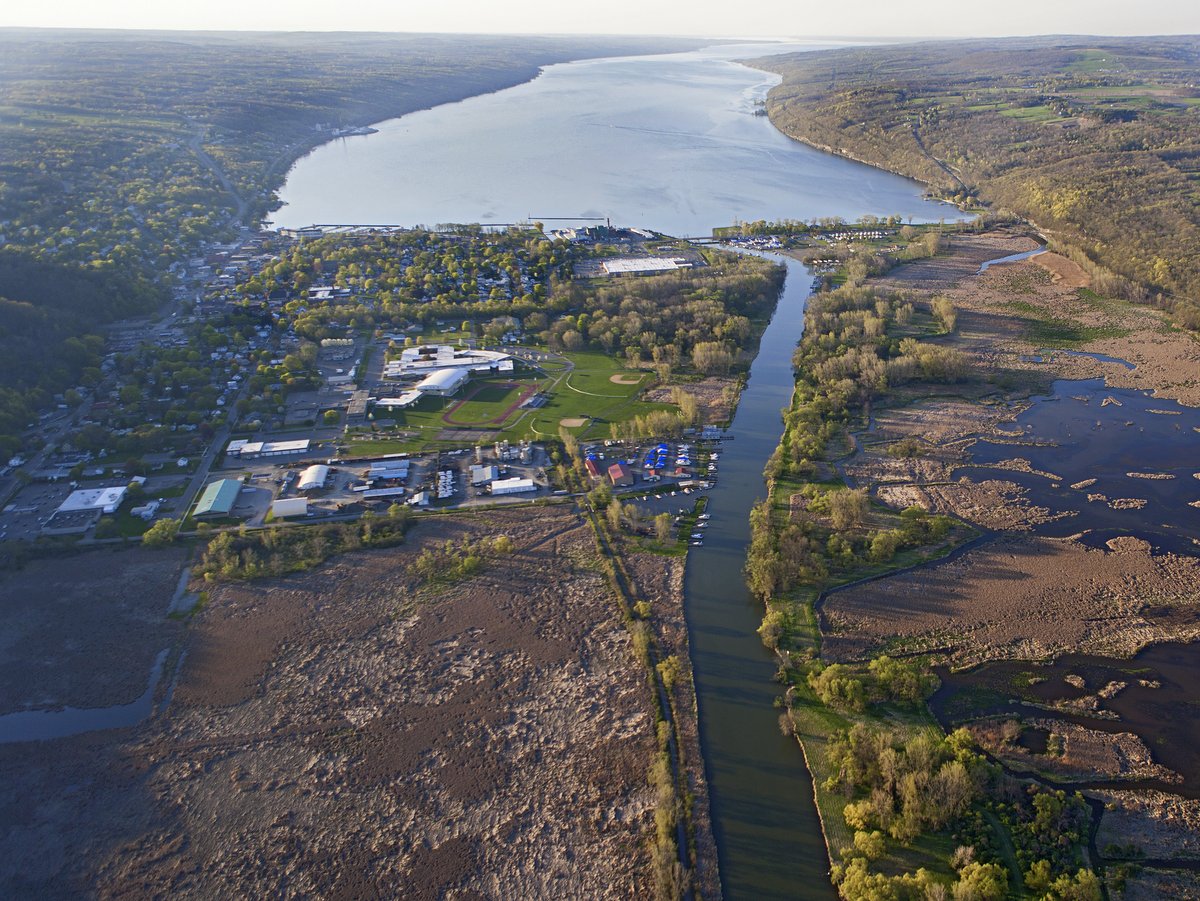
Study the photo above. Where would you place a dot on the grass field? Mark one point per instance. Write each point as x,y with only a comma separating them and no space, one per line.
589,393
490,404
580,386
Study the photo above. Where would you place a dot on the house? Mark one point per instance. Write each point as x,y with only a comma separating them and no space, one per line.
620,475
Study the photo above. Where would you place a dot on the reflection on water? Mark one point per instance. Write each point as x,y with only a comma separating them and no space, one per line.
1134,455
666,142
1160,702
37,725
763,811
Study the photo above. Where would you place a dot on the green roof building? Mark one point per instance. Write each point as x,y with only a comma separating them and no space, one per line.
218,498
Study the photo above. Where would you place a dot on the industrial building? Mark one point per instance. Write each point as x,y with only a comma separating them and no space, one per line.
512,486
96,500
286,507
644,265
218,498
248,450
313,478
482,474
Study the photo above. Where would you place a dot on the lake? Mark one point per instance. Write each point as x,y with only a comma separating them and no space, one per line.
664,142
669,143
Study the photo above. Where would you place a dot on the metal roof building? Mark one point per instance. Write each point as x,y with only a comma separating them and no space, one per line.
443,381
289,506
218,498
313,478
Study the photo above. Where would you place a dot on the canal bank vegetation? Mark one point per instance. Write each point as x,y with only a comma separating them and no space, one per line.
682,850
907,811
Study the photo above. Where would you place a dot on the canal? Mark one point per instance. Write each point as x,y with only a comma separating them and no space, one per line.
761,793
671,143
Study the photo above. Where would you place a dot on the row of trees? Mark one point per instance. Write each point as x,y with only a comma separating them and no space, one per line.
250,554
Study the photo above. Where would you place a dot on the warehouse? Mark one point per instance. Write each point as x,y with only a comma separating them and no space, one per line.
285,507
512,486
250,449
313,478
481,474
218,498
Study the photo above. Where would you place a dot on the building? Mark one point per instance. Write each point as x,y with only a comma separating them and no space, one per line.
427,358
405,400
620,475
443,382
388,469
644,265
95,500
285,507
481,474
512,486
249,450
592,467
217,498
313,478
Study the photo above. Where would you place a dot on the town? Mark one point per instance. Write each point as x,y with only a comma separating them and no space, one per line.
319,374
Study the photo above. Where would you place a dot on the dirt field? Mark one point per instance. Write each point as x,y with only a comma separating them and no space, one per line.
1021,597
84,630
352,733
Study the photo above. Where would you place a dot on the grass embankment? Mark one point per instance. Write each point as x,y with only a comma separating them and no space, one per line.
906,810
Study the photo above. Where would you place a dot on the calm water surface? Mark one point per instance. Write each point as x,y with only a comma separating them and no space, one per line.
669,143
665,142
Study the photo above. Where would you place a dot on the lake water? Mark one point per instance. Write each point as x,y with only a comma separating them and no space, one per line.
669,143
665,142
1133,454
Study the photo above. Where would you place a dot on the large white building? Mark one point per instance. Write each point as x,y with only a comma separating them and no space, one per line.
250,449
98,500
443,382
427,358
313,478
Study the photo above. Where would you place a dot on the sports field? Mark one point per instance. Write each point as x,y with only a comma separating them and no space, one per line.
585,391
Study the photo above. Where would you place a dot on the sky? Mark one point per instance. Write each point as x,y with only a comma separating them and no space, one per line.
713,18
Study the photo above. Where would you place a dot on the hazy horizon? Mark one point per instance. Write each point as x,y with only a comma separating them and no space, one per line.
768,19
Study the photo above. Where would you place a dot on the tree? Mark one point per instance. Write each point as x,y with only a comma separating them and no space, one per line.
331,417
161,533
981,882
848,508
662,527
837,687
712,358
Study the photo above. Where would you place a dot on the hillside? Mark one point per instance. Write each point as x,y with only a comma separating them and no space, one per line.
1096,140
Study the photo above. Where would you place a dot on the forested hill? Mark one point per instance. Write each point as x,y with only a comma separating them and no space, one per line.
123,152
1097,140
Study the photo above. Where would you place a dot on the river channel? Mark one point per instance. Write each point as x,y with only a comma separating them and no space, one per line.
670,143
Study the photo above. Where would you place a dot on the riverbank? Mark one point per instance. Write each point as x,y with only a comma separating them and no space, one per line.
1013,594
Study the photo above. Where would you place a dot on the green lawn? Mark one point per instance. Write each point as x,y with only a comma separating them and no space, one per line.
589,393
1031,113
